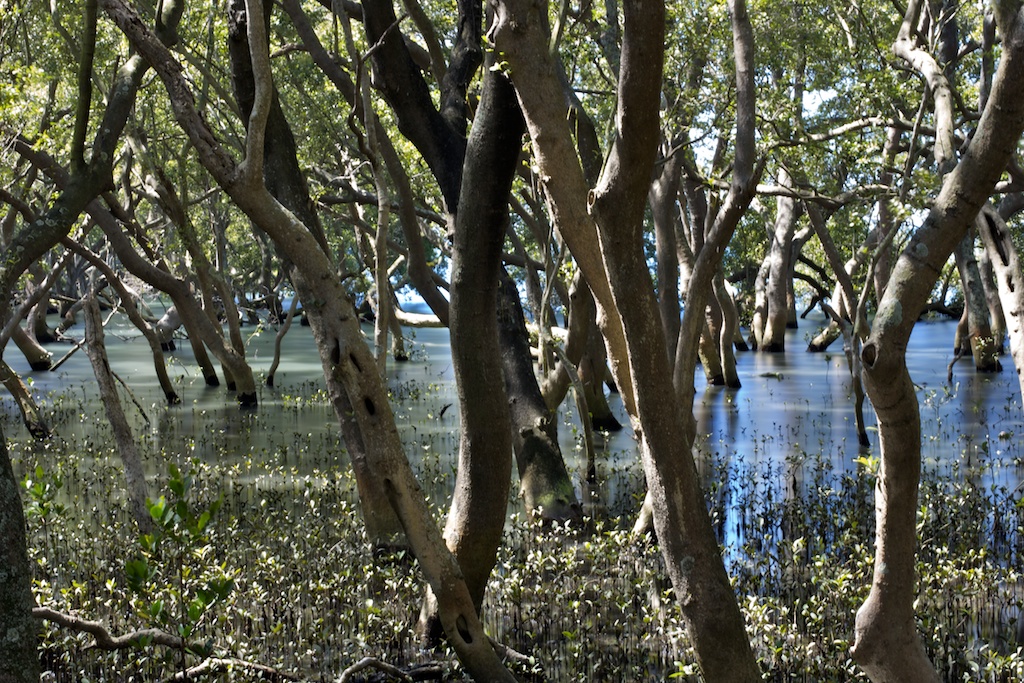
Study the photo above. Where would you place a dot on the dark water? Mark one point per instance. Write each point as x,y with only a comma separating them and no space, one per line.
791,407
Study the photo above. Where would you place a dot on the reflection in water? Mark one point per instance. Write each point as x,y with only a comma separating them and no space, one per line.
791,407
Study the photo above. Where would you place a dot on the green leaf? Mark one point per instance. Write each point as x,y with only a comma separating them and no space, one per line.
158,508
138,572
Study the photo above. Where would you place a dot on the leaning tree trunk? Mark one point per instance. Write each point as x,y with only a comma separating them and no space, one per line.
284,180
38,358
887,645
616,206
30,415
357,392
134,473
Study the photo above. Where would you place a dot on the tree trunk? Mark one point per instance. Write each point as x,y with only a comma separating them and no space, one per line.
995,307
286,183
480,501
979,329
887,645
357,392
730,330
759,317
132,311
38,358
593,371
1002,253
616,206
780,266
134,473
30,415
662,198
544,483
19,658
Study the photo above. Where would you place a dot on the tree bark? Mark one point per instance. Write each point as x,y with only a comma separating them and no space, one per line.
1002,253
662,198
286,184
887,646
30,415
438,137
544,482
979,329
132,311
19,659
39,359
480,500
134,473
780,265
356,389
622,287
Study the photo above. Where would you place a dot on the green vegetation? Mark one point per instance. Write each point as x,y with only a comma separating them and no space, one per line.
258,561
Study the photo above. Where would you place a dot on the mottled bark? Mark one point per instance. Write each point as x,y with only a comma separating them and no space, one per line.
19,660
592,371
134,473
887,645
287,185
544,483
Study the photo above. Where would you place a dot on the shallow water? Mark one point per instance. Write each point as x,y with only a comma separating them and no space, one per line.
787,435
791,407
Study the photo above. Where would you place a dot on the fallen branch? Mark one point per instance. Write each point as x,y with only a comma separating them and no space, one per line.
104,639
420,672
373,663
508,653
216,665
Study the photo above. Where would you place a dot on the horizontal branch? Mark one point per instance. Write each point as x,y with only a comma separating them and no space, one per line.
154,636
104,639
811,195
215,665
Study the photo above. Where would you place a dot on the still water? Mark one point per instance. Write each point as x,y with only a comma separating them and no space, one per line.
792,407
